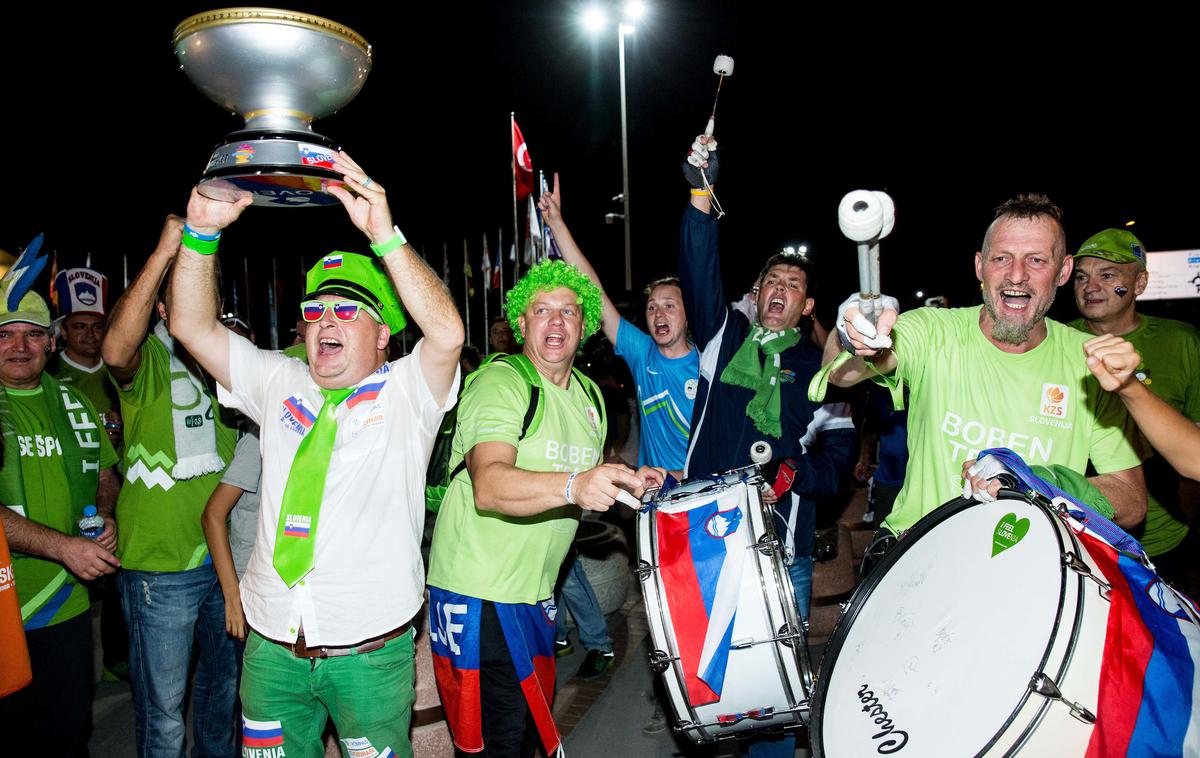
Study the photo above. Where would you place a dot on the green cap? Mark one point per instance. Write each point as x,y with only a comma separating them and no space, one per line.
358,277
31,310
1115,245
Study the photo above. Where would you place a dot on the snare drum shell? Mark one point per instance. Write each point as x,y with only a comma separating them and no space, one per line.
766,674
937,647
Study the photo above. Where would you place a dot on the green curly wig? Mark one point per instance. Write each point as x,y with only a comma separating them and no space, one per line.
550,275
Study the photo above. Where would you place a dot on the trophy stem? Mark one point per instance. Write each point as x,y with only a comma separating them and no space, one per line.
278,119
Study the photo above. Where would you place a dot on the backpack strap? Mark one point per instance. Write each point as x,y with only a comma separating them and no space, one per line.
526,371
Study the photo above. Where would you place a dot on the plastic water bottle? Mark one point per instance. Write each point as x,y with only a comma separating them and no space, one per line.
92,524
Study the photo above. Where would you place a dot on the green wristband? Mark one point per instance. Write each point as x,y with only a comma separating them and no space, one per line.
203,247
394,243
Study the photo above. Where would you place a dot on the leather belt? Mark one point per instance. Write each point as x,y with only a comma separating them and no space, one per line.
301,650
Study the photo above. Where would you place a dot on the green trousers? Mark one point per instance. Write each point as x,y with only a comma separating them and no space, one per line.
286,701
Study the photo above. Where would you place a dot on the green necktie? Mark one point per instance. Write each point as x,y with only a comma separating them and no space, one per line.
296,533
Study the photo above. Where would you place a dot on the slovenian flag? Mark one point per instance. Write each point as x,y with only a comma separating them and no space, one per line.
299,411
1149,689
260,734
364,393
700,555
331,261
296,526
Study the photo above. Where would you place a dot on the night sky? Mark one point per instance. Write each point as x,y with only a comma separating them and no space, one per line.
950,112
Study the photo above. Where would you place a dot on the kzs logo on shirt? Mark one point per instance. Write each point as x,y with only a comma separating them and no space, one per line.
1055,399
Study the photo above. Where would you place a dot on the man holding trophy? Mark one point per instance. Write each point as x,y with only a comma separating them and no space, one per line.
345,442
336,575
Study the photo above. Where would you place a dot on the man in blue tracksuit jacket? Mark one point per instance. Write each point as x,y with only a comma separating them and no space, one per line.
754,377
818,441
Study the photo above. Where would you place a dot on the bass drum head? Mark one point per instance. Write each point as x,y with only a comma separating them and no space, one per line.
936,649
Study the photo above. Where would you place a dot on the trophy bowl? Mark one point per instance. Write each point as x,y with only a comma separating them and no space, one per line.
278,70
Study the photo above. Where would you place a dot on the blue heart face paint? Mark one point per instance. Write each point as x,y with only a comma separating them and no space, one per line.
1121,291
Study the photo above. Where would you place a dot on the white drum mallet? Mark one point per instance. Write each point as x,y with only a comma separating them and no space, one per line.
866,217
722,67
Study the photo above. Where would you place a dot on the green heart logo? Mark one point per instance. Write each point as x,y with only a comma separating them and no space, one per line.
1009,531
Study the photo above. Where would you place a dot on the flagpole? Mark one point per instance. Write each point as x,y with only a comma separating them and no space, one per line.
466,290
272,310
487,290
512,133
500,247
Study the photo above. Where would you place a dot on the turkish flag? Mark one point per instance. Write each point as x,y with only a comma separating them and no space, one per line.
523,163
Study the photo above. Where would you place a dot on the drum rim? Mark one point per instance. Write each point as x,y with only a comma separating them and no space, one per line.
864,590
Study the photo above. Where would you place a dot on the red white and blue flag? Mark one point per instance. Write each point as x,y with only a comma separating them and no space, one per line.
1149,687
454,637
364,393
700,556
300,412
261,734
331,261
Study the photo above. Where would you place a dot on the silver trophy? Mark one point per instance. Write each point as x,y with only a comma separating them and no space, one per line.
279,70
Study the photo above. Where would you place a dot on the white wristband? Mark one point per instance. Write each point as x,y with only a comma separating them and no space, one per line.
567,490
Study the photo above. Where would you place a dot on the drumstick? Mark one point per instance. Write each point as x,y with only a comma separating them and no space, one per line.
628,499
866,217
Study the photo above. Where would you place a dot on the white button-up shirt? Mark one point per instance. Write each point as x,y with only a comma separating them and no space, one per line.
368,576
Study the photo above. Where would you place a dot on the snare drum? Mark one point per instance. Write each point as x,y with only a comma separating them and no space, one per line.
983,633
725,632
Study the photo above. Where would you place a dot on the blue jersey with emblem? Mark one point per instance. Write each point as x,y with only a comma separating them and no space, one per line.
666,390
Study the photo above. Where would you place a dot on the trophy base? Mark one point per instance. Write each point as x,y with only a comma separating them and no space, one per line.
279,169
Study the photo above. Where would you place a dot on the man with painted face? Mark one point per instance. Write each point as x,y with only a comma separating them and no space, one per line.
525,463
336,574
996,375
1110,273
56,461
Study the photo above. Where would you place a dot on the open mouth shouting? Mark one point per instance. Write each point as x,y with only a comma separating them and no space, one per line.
661,328
776,305
1015,299
328,346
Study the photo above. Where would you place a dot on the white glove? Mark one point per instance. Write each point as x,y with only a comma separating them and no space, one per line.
862,324
985,469
699,154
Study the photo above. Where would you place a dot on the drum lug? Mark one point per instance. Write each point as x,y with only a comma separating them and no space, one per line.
1073,562
645,570
788,637
660,661
1048,688
767,545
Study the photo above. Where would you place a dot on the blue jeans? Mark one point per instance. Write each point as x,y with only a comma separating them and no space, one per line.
576,592
784,745
801,572
166,613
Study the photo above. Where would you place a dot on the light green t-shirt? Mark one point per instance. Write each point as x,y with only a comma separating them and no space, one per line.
967,395
94,384
509,559
1170,368
48,502
158,518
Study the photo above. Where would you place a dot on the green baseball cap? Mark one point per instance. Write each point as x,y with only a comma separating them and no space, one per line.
31,310
357,277
1115,245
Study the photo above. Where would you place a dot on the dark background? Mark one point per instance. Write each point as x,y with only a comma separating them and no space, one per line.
950,111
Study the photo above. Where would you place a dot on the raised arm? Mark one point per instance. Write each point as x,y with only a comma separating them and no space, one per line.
551,206
700,264
130,316
1113,360
193,293
855,369
423,294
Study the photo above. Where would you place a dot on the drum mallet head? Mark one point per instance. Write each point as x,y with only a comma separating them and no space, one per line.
760,452
722,67
865,215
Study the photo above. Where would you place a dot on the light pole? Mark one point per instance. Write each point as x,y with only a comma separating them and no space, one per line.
622,30
594,20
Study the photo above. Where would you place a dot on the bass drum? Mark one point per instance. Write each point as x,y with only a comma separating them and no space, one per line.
724,629
980,633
